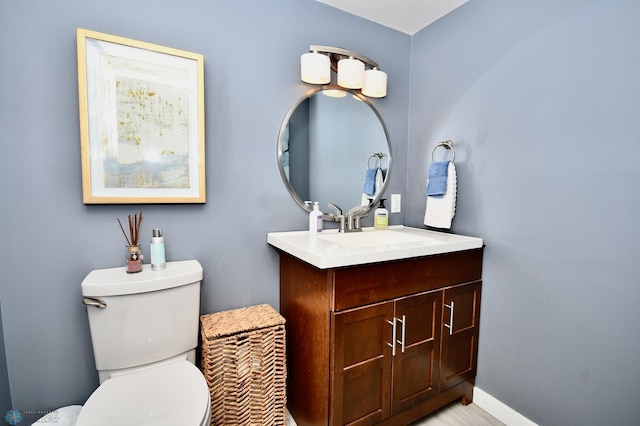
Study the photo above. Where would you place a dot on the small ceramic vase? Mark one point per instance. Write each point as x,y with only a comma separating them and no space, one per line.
134,259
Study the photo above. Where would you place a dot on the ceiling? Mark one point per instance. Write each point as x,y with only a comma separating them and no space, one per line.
407,16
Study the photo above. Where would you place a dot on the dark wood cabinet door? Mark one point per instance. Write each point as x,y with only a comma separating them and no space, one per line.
460,322
415,366
361,365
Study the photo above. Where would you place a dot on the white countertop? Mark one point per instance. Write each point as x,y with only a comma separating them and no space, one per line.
331,249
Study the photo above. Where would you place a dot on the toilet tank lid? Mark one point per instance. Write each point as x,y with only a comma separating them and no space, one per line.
117,282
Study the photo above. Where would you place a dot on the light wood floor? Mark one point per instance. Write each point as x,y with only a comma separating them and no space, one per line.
454,414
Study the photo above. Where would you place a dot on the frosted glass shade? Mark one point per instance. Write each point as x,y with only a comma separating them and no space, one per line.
334,93
315,68
350,73
375,83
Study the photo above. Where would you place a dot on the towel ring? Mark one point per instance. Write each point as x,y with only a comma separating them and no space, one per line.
377,155
448,145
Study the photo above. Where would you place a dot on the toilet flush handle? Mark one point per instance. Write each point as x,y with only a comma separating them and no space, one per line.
90,301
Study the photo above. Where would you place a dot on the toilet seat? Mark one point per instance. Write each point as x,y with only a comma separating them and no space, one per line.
171,394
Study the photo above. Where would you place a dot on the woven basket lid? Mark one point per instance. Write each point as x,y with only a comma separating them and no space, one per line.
241,320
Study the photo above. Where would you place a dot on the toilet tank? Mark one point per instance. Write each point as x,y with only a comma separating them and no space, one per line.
142,318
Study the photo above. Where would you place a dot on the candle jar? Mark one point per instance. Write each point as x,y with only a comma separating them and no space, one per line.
134,259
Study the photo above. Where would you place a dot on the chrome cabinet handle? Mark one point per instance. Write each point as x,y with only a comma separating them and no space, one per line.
404,328
393,336
450,325
90,301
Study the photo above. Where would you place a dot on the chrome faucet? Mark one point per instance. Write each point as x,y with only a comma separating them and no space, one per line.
337,216
353,219
350,222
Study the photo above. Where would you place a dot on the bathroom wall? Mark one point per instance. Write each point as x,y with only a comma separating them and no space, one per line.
542,101
50,240
540,98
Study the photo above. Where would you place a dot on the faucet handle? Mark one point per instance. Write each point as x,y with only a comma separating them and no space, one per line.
353,218
336,208
338,216
357,211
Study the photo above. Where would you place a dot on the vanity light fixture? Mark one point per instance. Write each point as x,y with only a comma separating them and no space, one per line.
375,83
351,73
351,68
315,68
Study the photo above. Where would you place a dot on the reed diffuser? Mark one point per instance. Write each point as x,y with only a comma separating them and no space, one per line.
134,254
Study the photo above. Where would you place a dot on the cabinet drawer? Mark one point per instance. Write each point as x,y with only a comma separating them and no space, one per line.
365,284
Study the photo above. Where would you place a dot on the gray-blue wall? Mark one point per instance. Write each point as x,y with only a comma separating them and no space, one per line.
542,100
50,240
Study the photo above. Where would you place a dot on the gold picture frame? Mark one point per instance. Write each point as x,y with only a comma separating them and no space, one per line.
141,121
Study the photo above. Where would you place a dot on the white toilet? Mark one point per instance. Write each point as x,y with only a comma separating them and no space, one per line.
144,330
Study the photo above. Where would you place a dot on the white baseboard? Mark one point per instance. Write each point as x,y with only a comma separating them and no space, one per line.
499,410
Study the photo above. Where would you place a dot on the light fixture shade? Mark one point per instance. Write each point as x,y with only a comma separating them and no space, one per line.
315,68
375,83
350,73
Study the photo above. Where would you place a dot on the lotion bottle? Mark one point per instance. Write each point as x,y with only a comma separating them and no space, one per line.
315,219
158,259
381,216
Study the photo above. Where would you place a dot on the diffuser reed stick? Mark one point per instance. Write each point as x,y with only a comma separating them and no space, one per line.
134,229
124,233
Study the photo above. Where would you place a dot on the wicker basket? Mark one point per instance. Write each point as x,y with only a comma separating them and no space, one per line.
244,363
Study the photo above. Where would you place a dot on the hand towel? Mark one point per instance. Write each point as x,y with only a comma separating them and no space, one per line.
378,180
441,209
370,182
437,181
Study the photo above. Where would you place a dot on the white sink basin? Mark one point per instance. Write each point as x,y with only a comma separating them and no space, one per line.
332,249
375,238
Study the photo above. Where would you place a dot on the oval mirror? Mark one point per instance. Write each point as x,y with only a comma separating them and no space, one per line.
334,148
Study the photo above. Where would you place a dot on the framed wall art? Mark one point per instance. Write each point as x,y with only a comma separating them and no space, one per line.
141,121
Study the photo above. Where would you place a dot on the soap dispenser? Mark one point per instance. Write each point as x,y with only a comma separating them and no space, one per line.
315,219
381,216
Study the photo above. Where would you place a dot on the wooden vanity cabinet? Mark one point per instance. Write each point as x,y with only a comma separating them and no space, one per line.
343,365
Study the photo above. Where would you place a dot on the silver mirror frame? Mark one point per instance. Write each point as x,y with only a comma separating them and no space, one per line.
283,175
